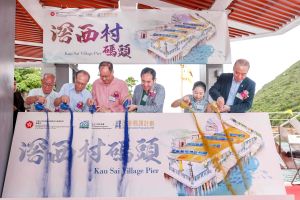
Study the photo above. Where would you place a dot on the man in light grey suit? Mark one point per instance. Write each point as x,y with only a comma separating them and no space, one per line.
149,96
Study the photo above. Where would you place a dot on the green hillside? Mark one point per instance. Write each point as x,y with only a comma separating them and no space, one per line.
281,94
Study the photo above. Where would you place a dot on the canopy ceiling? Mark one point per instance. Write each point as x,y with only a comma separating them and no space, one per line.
247,18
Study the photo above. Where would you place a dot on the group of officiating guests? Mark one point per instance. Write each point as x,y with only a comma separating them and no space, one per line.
232,92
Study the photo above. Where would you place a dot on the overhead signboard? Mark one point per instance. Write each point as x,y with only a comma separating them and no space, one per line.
135,36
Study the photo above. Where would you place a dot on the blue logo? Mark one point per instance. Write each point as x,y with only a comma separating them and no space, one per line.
84,124
118,124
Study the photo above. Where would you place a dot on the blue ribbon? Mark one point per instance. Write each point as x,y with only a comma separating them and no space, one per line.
46,167
92,109
126,103
68,179
64,106
39,107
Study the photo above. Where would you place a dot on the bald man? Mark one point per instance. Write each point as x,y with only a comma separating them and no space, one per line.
234,92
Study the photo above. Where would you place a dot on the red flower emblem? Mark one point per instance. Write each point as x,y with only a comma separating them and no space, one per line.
80,105
244,94
116,94
29,124
152,93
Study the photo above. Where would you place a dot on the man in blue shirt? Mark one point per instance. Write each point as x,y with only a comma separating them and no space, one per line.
234,92
75,94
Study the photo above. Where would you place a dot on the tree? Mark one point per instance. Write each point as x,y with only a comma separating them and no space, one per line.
28,78
131,82
89,87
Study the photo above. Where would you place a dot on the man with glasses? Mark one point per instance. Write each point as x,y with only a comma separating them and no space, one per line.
234,92
108,91
75,94
45,95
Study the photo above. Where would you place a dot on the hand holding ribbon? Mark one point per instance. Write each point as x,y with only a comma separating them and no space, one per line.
64,106
39,106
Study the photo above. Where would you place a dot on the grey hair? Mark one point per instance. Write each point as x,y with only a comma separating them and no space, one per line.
242,62
49,75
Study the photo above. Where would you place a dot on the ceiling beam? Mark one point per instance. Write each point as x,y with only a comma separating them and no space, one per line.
246,27
35,9
220,5
29,43
158,4
283,30
28,58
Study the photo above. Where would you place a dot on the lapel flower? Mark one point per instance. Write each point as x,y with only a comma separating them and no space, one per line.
79,105
244,94
152,93
116,94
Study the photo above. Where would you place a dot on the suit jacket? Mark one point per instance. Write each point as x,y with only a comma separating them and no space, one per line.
222,88
153,104
19,103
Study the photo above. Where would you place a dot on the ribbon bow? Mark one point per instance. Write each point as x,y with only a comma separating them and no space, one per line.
64,106
39,106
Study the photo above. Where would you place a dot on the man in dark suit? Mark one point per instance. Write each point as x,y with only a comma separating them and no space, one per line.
234,92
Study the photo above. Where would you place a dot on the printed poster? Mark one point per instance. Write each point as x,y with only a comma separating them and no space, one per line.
166,158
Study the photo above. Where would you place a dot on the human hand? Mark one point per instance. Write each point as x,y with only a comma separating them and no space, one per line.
132,107
65,99
220,102
90,102
186,99
41,100
225,108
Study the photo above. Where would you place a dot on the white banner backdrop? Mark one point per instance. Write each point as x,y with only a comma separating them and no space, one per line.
261,197
166,156
135,36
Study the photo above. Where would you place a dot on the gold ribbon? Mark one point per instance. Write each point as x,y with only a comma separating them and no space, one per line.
216,109
215,159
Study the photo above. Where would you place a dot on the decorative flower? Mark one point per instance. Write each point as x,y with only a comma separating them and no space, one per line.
244,94
116,94
79,105
152,93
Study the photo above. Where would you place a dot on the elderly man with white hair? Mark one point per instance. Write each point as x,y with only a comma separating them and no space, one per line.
44,95
234,92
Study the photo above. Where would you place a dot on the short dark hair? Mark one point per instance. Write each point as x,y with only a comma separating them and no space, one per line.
108,64
199,84
150,71
82,72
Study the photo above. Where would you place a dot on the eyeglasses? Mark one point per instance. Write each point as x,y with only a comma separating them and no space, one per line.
48,84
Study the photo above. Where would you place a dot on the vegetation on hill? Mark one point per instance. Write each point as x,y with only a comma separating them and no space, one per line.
281,94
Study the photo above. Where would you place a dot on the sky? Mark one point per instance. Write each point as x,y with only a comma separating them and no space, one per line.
268,57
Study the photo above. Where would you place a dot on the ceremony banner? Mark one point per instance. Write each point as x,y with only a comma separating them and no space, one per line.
166,158
261,197
135,36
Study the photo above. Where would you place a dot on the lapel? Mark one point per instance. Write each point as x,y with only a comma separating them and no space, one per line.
242,86
140,93
241,89
150,99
